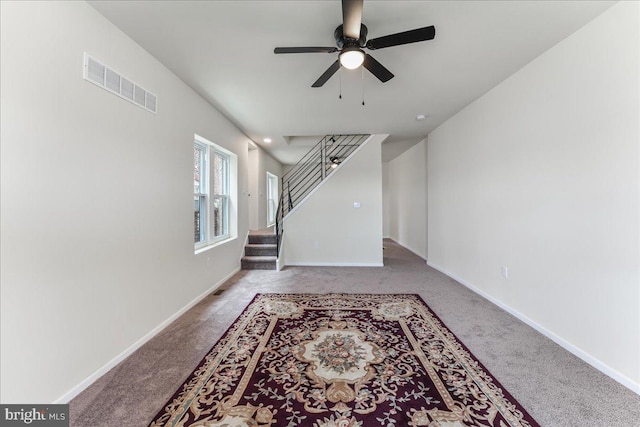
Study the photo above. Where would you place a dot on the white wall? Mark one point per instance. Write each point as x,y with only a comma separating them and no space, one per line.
386,201
541,175
287,168
253,172
406,198
97,212
326,229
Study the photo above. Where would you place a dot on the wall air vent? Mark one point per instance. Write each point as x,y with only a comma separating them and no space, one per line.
103,76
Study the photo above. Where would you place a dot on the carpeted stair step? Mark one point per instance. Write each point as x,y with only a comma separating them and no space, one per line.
263,239
258,263
260,250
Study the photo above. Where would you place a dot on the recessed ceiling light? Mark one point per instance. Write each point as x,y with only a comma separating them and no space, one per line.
421,117
267,140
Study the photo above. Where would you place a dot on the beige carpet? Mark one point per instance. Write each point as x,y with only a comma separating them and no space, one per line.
555,387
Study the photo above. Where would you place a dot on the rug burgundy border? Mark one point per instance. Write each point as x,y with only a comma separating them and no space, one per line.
340,360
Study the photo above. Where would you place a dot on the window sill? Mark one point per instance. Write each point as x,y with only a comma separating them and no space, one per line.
213,245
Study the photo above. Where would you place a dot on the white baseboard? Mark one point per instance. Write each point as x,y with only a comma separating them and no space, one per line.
596,363
65,398
334,264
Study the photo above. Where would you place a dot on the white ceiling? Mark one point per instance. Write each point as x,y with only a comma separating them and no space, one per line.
224,51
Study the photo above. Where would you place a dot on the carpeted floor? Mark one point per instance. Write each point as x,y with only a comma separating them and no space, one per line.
554,386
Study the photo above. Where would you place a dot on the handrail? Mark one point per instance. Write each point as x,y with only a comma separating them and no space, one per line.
316,165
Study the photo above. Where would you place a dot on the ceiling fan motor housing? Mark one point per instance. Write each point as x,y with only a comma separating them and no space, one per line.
342,42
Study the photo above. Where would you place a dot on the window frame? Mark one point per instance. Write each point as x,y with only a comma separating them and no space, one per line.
203,194
224,195
271,221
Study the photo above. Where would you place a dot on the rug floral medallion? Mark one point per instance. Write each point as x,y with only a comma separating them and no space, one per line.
340,360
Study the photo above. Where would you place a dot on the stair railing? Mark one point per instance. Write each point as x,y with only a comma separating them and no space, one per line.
314,167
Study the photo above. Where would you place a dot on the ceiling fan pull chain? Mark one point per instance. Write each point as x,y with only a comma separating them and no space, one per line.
362,81
340,77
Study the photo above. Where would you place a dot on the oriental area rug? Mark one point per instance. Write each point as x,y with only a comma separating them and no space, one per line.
340,360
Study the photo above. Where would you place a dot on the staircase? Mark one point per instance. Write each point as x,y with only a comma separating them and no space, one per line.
321,160
261,252
314,167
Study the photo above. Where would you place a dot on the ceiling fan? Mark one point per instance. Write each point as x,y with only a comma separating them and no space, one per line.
351,39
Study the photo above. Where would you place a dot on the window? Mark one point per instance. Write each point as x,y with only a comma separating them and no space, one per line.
220,195
272,198
214,175
200,192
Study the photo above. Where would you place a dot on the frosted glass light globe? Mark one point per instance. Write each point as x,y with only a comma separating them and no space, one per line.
352,59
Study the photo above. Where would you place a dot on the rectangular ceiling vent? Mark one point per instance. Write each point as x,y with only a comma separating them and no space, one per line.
103,76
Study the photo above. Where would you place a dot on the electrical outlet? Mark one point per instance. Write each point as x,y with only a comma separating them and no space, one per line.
505,271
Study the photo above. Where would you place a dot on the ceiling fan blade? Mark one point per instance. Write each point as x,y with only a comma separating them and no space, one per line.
411,36
351,18
327,74
377,69
305,50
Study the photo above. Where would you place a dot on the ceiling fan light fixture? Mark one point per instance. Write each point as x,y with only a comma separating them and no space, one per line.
352,58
